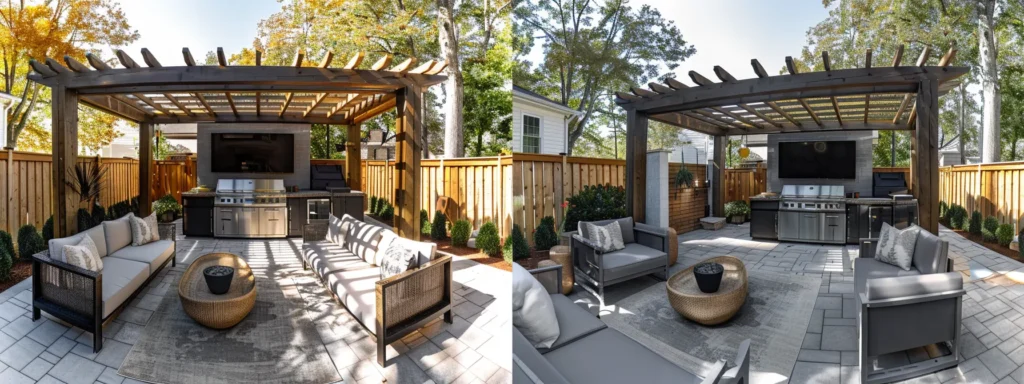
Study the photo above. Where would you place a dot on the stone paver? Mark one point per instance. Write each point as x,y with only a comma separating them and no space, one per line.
475,349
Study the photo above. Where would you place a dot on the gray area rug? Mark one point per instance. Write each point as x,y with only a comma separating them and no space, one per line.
276,343
775,317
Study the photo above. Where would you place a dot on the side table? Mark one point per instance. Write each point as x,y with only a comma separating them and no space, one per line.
562,255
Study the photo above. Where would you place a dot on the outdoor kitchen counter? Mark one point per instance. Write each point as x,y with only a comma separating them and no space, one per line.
290,195
858,201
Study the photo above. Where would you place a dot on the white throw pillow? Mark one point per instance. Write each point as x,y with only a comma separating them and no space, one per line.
607,238
396,260
533,313
141,231
154,230
83,255
896,246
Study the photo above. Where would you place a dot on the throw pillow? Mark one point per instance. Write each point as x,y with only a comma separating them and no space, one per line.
154,230
533,313
140,231
896,246
608,237
83,255
396,260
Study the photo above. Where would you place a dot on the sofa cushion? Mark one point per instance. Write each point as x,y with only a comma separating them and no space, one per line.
867,268
931,255
96,233
625,225
528,366
608,356
325,257
363,239
336,229
356,289
154,254
118,233
574,322
121,278
633,259
533,313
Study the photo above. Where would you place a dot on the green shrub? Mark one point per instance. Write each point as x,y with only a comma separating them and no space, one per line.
47,229
974,226
958,217
373,204
595,202
84,219
488,241
438,230
988,236
1004,234
544,237
99,214
520,248
30,241
943,212
167,205
387,212
1020,243
991,224
737,208
424,223
460,232
6,262
7,243
506,250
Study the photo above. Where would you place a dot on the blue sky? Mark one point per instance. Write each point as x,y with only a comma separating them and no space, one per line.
166,26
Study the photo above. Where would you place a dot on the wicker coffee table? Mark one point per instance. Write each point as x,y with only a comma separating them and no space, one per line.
709,308
217,311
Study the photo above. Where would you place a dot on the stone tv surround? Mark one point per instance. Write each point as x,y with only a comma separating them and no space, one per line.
203,142
864,144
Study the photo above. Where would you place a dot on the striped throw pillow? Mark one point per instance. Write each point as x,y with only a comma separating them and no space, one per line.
608,237
83,255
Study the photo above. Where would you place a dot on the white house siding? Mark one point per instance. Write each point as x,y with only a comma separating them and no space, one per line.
693,153
552,127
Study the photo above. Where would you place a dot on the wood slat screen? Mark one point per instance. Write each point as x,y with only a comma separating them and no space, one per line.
992,189
686,205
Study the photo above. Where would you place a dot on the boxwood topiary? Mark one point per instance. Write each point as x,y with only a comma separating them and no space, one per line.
1004,234
991,224
387,212
595,202
1020,243
373,205
30,241
545,237
958,217
460,232
48,229
506,250
424,222
84,219
974,227
438,230
988,236
6,263
7,243
943,212
488,241
520,248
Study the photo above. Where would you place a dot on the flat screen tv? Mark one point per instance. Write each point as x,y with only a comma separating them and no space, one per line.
253,152
818,160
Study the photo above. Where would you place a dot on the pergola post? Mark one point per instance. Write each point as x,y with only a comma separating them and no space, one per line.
64,111
353,157
636,164
408,126
145,168
925,165
718,177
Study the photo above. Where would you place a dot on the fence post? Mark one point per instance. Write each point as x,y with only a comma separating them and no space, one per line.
10,188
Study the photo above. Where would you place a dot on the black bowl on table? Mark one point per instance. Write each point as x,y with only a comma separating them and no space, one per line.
708,276
218,278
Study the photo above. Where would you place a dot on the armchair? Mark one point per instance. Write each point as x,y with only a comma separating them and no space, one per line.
645,253
900,310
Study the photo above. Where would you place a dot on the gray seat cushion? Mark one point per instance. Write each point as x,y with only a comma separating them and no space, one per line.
866,268
608,356
356,289
153,254
528,366
633,259
625,225
121,278
95,234
930,253
118,233
907,286
574,322
325,257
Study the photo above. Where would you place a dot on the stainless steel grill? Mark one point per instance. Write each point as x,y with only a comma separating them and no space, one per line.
250,208
813,213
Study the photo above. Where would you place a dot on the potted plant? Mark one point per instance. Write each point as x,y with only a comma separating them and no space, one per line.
684,178
166,208
708,276
218,278
737,211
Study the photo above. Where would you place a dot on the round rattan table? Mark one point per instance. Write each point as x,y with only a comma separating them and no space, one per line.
561,255
217,311
709,308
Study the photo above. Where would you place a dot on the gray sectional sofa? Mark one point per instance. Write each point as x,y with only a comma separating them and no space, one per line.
901,310
344,254
587,351
645,253
90,300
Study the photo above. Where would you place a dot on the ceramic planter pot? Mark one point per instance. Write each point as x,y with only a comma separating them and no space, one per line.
218,278
166,217
708,276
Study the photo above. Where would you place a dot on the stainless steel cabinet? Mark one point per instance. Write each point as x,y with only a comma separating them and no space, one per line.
272,221
247,222
789,225
833,227
810,226
224,222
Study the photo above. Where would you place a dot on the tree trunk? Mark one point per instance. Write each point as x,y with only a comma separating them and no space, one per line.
989,81
454,141
962,144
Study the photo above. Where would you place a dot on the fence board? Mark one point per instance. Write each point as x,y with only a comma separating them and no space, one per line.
992,189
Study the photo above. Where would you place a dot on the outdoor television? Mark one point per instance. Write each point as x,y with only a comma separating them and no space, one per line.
253,152
818,160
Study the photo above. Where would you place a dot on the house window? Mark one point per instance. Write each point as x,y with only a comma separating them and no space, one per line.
531,134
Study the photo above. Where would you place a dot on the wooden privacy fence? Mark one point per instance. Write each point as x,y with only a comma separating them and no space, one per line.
477,187
993,189
173,177
741,183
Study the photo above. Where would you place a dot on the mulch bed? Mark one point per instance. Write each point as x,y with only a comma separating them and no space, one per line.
472,254
535,258
21,270
1005,251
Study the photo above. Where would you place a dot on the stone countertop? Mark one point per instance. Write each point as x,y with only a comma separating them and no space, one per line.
859,200
290,195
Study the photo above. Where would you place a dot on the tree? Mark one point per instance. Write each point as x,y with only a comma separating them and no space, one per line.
96,129
38,29
1012,116
488,101
989,74
882,150
448,39
592,49
318,148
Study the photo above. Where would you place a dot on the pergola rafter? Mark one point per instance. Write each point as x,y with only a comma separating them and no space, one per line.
223,93
854,99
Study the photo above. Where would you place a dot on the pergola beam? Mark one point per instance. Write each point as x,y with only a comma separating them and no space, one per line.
791,67
835,105
288,98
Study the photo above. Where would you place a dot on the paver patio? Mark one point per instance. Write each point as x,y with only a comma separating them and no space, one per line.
475,348
993,309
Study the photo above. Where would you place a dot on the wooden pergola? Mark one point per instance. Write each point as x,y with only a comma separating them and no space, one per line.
833,100
155,94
